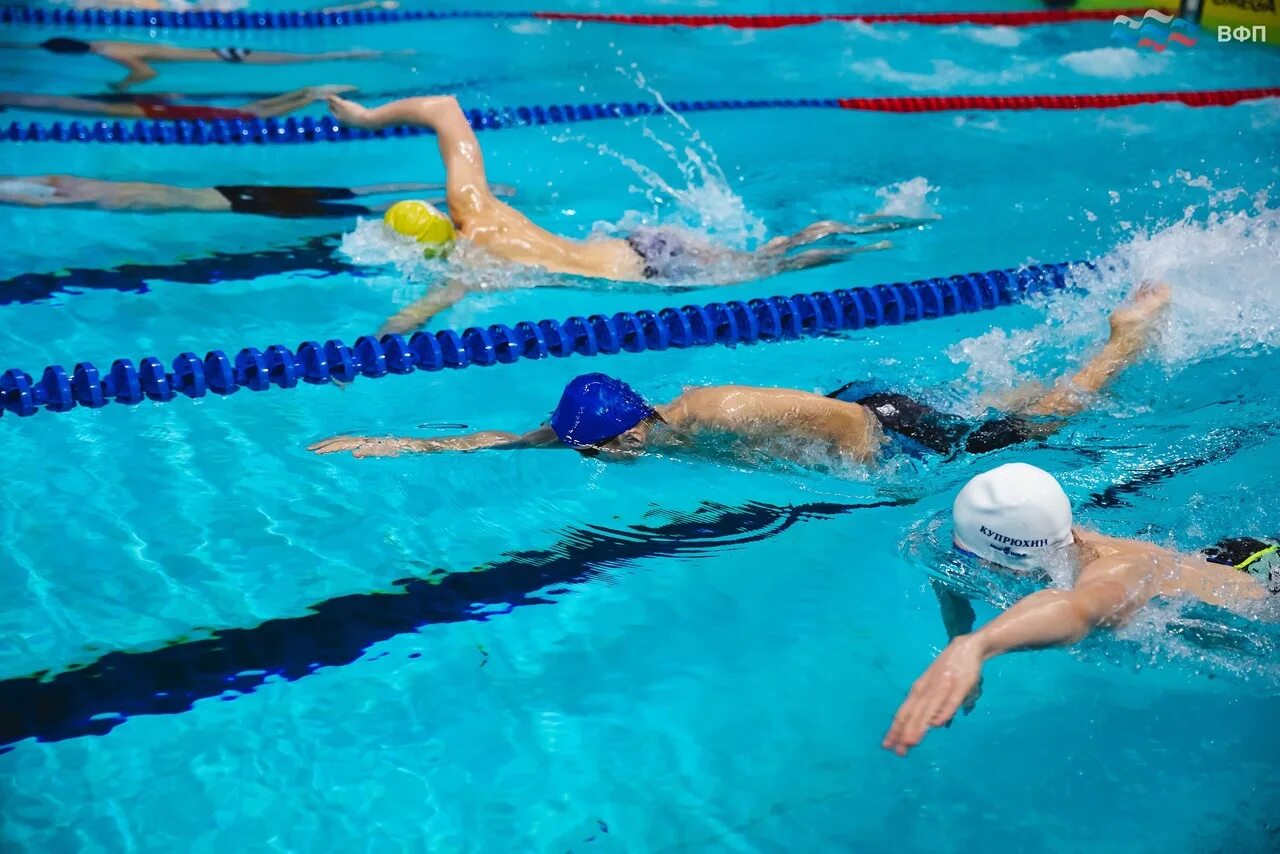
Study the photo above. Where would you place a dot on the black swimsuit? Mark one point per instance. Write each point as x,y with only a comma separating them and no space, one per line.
1259,558
291,202
940,432
65,45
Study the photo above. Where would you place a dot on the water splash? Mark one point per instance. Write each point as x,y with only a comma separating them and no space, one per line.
907,199
1220,261
703,201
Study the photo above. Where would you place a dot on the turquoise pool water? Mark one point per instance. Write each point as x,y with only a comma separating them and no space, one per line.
672,654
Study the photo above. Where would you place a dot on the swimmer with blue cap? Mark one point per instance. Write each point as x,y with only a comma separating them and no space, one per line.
601,416
650,255
1017,518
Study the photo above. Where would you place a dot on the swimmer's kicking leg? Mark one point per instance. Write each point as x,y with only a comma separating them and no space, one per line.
812,258
811,234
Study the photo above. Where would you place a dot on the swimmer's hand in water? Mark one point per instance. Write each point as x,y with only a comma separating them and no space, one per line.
362,446
351,113
937,695
1134,320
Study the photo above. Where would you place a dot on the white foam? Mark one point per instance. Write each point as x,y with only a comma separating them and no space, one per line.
373,244
1115,63
908,199
944,74
997,36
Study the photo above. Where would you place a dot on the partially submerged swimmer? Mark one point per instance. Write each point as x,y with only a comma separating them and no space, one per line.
648,254
138,57
263,200
167,106
602,416
1017,518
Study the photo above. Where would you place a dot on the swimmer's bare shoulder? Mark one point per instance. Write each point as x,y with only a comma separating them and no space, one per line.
751,410
1150,570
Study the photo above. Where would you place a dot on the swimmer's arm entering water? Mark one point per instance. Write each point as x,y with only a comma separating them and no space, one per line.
416,314
1132,325
1108,592
495,440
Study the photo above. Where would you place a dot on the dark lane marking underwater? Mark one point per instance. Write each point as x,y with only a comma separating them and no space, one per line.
315,253
1236,439
96,698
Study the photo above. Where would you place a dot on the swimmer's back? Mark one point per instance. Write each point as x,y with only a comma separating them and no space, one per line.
505,232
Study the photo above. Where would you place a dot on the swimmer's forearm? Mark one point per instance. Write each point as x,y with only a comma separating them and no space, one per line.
1040,621
421,111
487,439
1069,396
1050,618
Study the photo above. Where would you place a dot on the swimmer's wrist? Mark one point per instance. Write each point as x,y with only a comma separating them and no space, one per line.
977,643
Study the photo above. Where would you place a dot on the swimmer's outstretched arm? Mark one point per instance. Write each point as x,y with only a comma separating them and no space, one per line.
496,440
466,183
1107,593
1132,326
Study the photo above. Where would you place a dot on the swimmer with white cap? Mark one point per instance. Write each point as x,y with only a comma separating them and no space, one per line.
1017,518
648,254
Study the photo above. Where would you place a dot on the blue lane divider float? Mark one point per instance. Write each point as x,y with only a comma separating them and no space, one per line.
327,129
734,322
209,19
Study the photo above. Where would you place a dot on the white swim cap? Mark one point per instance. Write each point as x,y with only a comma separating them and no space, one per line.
1015,515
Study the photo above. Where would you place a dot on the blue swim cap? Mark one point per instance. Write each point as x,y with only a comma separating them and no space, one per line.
595,407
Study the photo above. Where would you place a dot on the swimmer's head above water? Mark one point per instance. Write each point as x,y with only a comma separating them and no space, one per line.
1015,516
423,222
602,416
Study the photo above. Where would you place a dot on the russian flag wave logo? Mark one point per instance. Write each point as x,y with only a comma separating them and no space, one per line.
1156,31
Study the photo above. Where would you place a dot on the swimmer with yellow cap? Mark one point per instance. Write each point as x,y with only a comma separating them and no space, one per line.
1017,518
657,255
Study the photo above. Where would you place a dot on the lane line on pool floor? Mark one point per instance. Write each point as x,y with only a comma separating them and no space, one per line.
308,19
95,698
314,254
292,131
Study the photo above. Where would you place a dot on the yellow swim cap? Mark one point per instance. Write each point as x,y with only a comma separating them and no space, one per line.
424,223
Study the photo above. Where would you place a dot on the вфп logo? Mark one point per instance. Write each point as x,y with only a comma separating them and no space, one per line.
1155,30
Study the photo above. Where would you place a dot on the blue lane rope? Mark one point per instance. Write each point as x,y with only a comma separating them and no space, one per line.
208,19
728,323
327,129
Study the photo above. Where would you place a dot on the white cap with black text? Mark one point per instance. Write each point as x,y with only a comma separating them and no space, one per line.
1015,515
